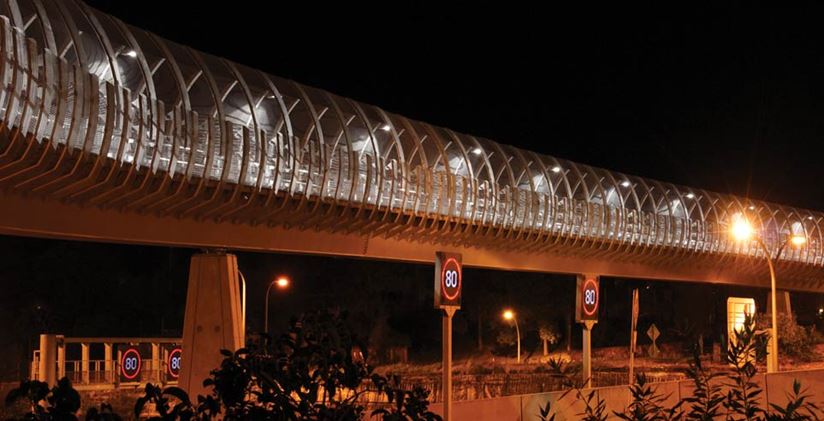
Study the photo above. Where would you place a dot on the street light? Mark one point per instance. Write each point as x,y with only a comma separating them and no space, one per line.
742,230
282,282
509,315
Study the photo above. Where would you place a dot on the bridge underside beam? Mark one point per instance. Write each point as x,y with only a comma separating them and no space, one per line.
37,217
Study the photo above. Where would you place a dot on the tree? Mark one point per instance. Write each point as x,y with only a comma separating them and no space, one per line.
549,335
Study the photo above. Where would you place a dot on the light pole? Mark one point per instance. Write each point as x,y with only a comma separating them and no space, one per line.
742,230
510,315
281,282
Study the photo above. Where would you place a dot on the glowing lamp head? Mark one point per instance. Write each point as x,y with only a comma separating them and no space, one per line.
508,315
741,229
282,282
798,240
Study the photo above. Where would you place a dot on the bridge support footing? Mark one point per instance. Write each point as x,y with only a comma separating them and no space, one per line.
213,319
47,368
782,302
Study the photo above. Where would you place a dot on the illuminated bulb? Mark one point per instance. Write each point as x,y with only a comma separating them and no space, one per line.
385,127
131,53
477,151
282,282
741,229
625,183
752,207
798,240
690,195
509,315
556,169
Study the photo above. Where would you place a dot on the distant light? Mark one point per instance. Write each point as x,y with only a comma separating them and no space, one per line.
625,183
556,169
798,240
690,196
386,127
477,151
821,311
131,53
282,282
810,218
508,315
752,207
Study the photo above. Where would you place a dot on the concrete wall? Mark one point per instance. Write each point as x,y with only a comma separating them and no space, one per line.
566,407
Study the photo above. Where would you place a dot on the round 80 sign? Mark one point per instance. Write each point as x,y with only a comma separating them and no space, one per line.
588,299
173,362
451,279
130,363
448,279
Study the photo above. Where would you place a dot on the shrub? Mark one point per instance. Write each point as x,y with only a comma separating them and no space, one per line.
793,340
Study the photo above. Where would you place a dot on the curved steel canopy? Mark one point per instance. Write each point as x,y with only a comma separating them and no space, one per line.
97,112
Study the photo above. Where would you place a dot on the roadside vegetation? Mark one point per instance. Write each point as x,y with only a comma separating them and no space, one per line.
317,371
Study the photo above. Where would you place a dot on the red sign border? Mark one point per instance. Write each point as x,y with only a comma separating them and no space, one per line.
443,279
123,367
587,282
176,350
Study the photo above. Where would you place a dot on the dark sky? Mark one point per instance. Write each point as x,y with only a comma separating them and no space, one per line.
727,98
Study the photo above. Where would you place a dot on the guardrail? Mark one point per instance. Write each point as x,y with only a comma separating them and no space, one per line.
119,362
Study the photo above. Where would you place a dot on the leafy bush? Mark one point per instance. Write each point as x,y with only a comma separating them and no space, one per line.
59,403
707,399
793,339
647,404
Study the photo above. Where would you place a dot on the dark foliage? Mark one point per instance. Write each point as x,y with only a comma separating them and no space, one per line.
707,399
405,405
171,403
105,413
647,404
747,347
60,403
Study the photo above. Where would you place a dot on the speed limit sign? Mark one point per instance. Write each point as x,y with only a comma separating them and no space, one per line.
448,279
588,300
173,362
130,364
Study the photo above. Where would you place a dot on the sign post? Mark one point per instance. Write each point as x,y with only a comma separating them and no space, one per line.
448,284
587,304
633,336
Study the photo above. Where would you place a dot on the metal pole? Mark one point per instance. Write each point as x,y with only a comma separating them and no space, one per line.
586,371
266,309
448,312
633,336
518,332
772,357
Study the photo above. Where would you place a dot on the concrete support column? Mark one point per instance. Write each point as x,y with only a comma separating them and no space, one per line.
213,319
108,362
61,358
84,362
156,361
782,302
48,359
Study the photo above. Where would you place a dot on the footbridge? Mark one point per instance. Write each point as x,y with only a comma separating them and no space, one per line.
111,133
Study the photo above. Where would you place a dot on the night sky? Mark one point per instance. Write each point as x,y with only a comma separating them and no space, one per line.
727,98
